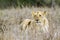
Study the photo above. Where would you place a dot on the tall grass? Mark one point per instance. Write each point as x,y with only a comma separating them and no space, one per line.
10,20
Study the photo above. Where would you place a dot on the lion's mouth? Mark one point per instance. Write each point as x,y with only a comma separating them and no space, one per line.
37,21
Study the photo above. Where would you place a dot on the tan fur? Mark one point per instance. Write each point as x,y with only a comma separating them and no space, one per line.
29,24
40,17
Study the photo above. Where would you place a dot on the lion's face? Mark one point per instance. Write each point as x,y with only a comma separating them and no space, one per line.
38,15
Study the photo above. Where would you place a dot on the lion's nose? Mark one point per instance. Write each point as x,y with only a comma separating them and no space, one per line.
37,21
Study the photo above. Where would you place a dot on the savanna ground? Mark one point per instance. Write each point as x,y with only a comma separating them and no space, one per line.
11,18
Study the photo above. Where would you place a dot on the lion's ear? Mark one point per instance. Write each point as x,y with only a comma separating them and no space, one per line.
33,13
44,13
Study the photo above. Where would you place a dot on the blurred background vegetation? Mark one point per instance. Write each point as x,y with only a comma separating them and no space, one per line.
29,3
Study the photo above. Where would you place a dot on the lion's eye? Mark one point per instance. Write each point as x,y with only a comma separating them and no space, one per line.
34,15
39,15
37,12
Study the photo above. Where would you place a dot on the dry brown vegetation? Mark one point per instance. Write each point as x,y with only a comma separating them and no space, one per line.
10,20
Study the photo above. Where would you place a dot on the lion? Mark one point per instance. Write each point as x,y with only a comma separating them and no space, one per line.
38,17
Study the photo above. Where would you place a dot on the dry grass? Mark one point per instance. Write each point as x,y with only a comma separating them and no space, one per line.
10,20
